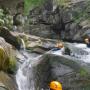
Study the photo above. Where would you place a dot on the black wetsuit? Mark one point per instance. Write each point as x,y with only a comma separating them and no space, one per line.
88,45
56,49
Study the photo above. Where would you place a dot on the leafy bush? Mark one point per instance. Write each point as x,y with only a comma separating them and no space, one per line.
5,19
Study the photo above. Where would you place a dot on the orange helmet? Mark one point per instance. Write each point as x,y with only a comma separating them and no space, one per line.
55,85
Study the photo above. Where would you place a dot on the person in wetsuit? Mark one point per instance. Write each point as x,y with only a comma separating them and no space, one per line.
58,46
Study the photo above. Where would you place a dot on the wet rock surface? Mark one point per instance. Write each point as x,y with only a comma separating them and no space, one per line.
6,82
73,74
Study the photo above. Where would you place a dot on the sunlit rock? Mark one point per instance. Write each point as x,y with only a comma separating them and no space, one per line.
7,57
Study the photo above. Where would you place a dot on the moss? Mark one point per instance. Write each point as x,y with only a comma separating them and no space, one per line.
6,19
4,61
29,4
12,65
83,72
7,60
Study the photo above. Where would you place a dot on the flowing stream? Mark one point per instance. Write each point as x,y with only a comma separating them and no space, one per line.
25,78
22,77
80,51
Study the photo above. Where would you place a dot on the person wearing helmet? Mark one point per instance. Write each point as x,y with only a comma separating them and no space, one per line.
58,49
58,46
55,85
87,41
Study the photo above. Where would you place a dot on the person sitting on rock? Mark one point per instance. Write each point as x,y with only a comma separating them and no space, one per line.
58,46
87,41
55,85
58,49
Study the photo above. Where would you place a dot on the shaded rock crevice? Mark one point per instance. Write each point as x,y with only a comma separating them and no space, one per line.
13,40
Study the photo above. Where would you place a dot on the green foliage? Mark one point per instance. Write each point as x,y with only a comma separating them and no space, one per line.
29,4
4,61
83,72
5,19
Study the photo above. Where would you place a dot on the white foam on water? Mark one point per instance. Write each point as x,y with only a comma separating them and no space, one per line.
58,52
81,52
24,76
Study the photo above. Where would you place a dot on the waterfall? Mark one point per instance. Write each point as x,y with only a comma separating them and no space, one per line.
24,76
23,46
25,69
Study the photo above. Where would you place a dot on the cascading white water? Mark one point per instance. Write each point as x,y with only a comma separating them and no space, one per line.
22,79
24,76
23,46
80,51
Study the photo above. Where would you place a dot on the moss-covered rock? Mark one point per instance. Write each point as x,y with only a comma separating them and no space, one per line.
7,58
4,60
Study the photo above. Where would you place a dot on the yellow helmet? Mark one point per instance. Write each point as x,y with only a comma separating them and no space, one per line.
55,85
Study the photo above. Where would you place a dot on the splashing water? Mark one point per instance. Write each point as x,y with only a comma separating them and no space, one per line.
80,51
24,76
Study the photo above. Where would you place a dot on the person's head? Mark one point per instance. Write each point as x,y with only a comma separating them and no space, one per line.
55,85
59,45
87,40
